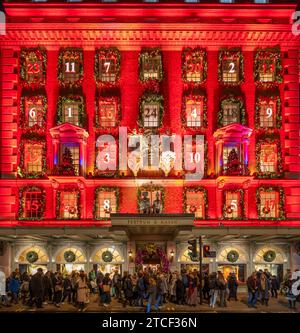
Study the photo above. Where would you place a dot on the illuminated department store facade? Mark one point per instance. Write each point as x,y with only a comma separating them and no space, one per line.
71,73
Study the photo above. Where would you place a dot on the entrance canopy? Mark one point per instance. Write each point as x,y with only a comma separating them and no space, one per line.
153,226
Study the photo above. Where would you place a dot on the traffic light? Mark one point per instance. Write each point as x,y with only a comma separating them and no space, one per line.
206,251
193,248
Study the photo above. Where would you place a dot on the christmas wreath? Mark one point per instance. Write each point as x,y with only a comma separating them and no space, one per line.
69,256
32,257
232,256
107,256
269,256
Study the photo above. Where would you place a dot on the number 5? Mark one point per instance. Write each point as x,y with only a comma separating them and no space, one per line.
233,204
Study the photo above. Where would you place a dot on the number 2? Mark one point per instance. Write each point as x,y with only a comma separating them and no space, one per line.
231,67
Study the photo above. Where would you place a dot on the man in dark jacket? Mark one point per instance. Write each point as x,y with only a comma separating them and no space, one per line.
37,288
48,287
274,286
252,285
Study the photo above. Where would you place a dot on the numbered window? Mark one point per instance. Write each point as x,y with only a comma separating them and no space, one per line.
107,69
69,205
33,205
107,65
70,109
269,207
267,70
195,203
106,203
33,111
230,71
106,151
232,208
33,66
70,70
70,152
33,157
194,65
231,113
108,112
151,115
231,66
268,112
71,113
268,158
150,65
194,112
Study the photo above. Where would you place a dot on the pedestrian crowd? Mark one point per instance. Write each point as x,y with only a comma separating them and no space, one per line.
148,288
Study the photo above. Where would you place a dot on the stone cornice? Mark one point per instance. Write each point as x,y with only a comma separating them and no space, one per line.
133,36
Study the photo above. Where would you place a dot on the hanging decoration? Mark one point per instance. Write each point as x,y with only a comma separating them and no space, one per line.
70,67
233,256
194,61
72,210
196,96
22,203
234,54
71,99
232,100
69,256
195,189
32,257
32,138
107,256
98,190
272,139
40,126
227,209
109,60
150,60
281,210
268,59
267,100
33,63
149,251
149,98
269,256
66,167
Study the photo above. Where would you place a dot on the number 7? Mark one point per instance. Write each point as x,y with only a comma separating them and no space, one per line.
107,65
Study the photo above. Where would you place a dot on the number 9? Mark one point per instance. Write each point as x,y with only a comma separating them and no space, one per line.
269,112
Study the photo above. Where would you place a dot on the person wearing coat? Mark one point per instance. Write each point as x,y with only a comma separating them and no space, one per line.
192,290
82,290
180,290
252,285
128,289
36,288
14,286
3,296
213,289
58,286
152,289
232,284
106,286
222,289
48,287
274,286
67,289
264,287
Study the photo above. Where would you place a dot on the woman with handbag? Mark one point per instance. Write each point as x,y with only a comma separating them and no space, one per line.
81,290
106,289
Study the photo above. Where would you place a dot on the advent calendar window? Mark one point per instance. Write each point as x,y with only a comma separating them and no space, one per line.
194,65
70,109
231,154
33,111
68,205
269,204
71,113
108,112
106,203
268,158
194,112
150,65
74,150
70,67
268,112
33,157
151,115
232,205
107,65
33,204
195,203
231,113
231,66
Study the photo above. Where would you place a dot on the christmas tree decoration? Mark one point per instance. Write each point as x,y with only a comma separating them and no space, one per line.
66,167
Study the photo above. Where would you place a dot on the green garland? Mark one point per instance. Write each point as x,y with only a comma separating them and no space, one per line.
107,256
241,202
232,54
232,256
269,256
98,190
280,204
38,53
113,99
232,99
32,257
107,53
145,55
195,189
196,98
35,139
76,54
23,121
21,211
58,202
151,188
269,139
271,55
267,99
149,98
71,99
194,56
69,256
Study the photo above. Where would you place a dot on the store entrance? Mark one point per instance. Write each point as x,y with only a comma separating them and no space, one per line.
274,269
238,269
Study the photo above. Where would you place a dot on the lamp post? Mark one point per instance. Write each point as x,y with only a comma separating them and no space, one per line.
200,268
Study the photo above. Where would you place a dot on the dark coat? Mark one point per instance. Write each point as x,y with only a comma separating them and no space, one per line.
47,282
36,285
128,287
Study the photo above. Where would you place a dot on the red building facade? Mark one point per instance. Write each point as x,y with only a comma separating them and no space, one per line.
73,72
